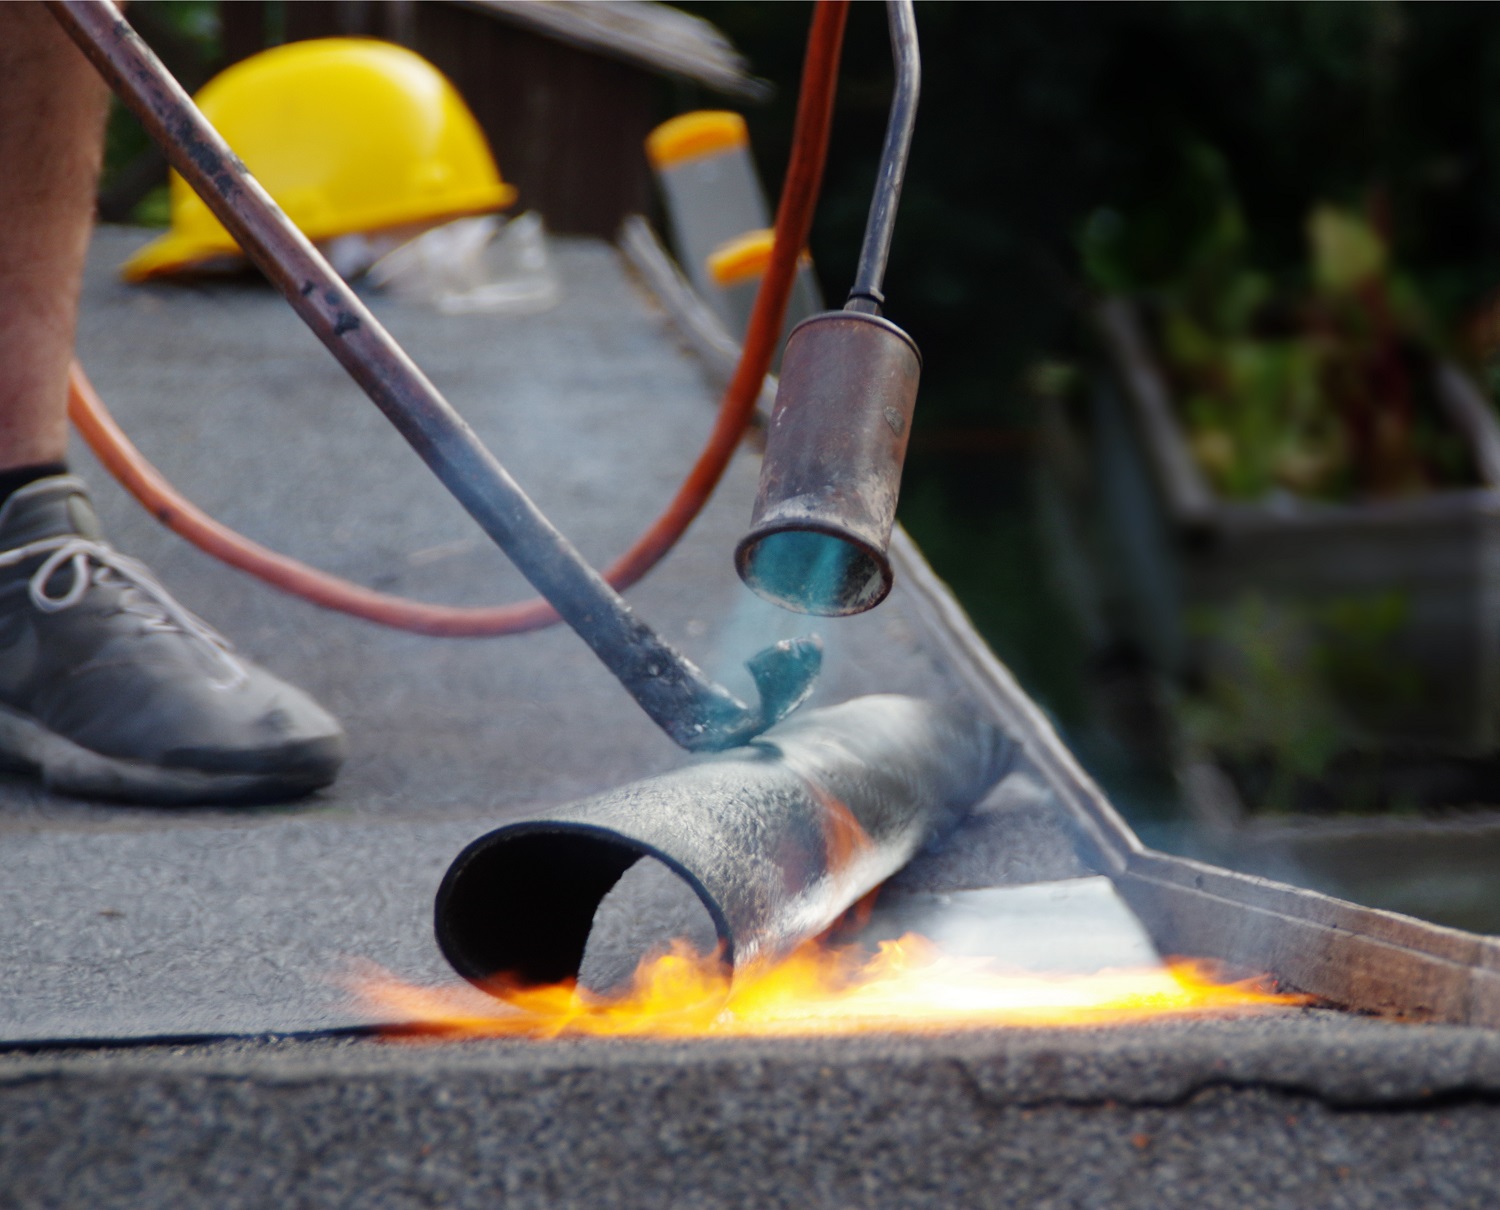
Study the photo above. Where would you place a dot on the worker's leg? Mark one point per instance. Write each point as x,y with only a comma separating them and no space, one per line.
52,106
108,687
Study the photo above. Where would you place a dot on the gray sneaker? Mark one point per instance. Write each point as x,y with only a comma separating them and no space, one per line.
111,689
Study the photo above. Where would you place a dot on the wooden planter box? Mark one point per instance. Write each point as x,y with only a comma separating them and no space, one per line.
1180,550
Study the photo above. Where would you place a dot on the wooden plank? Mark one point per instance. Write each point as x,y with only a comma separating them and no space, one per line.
656,37
1345,965
567,126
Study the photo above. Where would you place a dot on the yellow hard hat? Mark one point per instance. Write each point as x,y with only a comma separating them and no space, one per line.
347,134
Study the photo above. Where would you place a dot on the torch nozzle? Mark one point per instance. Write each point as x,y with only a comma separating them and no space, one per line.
832,468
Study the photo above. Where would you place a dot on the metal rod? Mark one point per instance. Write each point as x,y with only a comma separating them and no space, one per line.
867,295
697,713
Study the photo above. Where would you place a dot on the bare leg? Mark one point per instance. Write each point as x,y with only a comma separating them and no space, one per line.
125,696
52,107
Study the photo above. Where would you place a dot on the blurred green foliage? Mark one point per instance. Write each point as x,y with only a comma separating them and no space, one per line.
1040,123
1320,383
1291,685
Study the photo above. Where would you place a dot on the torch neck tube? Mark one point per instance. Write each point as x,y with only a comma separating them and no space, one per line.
867,295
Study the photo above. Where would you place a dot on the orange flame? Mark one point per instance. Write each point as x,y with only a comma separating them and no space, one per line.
906,985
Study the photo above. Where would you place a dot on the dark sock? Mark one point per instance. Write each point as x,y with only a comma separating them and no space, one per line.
19,476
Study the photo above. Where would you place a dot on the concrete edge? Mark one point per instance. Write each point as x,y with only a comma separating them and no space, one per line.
1329,1057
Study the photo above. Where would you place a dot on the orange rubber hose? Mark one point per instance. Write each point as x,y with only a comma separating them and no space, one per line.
793,224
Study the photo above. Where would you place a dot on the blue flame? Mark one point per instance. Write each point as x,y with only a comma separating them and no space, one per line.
803,571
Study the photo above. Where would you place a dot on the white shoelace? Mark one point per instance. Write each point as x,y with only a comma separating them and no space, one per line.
142,595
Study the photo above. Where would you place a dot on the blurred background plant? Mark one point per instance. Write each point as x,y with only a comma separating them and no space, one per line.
1318,383
1290,688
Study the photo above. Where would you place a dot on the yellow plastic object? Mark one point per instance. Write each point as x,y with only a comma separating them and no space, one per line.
347,134
743,258
693,135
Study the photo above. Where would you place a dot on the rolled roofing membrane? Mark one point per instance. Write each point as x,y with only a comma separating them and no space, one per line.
776,839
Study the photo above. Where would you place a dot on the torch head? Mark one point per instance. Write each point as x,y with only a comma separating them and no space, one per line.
832,469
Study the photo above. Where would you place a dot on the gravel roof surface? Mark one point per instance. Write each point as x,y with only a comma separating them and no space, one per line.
1289,1110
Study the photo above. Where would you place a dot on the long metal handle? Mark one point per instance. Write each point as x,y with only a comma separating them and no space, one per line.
693,710
867,295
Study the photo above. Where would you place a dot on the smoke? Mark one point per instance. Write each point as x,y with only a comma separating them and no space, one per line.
1077,926
752,625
